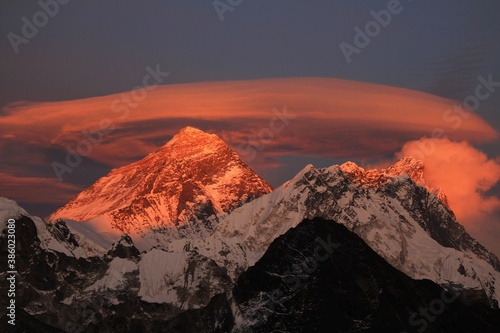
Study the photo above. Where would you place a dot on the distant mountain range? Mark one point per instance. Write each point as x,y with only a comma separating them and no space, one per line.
190,239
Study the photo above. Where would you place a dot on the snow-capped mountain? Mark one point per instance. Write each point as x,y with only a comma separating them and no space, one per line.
402,221
179,190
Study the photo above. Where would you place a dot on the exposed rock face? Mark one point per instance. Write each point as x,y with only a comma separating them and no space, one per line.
180,189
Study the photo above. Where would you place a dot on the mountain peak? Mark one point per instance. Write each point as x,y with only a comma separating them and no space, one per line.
190,129
415,170
352,169
189,132
194,178
405,166
123,248
408,166
192,143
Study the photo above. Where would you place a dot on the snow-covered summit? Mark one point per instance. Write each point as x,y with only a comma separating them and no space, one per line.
179,189
406,166
409,166
189,144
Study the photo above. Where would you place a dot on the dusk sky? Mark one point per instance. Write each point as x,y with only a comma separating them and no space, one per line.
233,68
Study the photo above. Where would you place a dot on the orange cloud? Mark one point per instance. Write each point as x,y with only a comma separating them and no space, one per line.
465,174
327,112
326,117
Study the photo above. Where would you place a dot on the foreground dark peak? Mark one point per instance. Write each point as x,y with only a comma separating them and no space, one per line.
320,277
193,177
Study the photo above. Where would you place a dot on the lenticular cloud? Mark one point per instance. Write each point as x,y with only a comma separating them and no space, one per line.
326,118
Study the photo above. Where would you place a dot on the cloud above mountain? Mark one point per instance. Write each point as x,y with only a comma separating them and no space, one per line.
261,119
